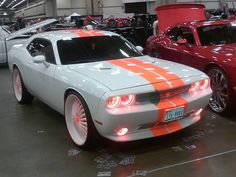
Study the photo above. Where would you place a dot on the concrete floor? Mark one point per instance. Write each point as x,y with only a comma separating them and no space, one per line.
35,143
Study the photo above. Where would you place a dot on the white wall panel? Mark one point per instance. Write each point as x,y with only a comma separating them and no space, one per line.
212,5
186,1
37,9
78,3
113,10
63,3
79,11
113,3
62,12
132,1
151,7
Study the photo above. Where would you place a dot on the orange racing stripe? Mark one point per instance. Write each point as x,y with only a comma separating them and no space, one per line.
149,76
169,76
149,72
86,33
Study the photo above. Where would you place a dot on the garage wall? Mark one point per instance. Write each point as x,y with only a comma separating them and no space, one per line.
111,6
35,10
70,6
212,4
54,8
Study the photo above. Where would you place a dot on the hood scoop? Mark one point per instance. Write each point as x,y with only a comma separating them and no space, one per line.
105,68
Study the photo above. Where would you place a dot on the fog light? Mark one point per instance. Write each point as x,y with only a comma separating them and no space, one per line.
198,112
122,131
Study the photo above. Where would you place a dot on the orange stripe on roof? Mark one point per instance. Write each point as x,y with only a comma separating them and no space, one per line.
86,33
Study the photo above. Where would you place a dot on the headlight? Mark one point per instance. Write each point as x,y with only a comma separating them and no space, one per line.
199,86
121,101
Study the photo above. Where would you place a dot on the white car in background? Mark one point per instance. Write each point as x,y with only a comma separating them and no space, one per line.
8,39
103,85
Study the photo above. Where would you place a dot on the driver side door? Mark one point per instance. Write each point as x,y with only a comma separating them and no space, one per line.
42,74
184,53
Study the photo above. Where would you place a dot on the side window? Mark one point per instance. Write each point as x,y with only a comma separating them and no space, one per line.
185,33
32,48
172,33
42,47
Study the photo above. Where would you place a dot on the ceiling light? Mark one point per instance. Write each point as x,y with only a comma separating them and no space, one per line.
18,3
2,2
11,3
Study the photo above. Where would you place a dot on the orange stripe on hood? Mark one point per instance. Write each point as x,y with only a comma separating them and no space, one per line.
150,72
147,75
169,76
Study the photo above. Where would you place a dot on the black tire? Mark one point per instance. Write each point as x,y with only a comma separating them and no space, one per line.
80,123
155,54
21,94
221,100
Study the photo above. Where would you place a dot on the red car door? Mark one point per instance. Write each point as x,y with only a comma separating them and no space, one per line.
182,47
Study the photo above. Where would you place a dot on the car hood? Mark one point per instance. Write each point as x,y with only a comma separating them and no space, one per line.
31,28
115,77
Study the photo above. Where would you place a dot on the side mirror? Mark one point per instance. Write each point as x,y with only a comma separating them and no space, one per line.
39,59
139,48
182,41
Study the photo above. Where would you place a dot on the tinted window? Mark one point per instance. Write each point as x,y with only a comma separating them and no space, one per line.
91,49
172,33
217,34
42,47
186,33
182,33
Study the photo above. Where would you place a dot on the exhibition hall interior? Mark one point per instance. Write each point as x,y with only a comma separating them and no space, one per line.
117,88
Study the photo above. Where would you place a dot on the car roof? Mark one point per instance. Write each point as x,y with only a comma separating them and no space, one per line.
77,33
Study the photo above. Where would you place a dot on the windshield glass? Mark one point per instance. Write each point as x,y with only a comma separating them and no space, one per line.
217,34
92,49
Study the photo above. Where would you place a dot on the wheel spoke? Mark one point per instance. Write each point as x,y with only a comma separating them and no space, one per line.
222,81
76,119
219,87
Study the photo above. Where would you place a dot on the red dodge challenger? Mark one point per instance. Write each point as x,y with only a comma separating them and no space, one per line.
186,37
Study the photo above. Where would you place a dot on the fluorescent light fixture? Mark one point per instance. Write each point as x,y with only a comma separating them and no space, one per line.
5,13
18,3
11,3
2,2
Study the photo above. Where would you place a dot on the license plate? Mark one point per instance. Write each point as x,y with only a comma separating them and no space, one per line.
174,114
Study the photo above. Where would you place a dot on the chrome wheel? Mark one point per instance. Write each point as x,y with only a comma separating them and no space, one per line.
220,96
76,119
17,85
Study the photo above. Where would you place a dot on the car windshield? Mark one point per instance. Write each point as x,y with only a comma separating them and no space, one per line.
92,49
217,34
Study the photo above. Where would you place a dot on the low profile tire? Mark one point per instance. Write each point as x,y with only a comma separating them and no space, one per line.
79,121
220,101
20,91
155,54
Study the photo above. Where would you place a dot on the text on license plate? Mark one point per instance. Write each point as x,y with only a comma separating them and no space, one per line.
174,114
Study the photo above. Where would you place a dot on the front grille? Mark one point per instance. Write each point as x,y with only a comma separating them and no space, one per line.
174,92
153,97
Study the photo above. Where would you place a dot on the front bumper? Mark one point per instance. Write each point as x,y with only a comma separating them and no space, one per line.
147,120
